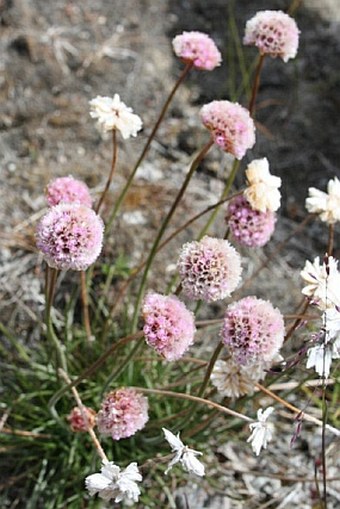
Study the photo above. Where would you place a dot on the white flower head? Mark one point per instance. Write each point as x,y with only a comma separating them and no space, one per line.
323,282
261,431
183,455
320,358
233,380
112,113
263,188
331,322
112,483
326,205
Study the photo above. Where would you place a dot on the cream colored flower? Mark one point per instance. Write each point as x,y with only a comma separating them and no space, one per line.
112,113
263,188
234,380
327,205
323,282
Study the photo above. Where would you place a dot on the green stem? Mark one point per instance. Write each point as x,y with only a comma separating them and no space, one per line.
204,385
210,367
115,374
85,305
147,145
165,223
113,166
224,195
51,336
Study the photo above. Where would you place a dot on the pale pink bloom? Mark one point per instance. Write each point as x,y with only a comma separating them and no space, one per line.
114,483
274,33
68,190
262,190
231,126
112,113
253,330
70,236
323,282
183,455
76,419
261,431
210,269
198,48
326,205
169,327
233,380
123,412
249,227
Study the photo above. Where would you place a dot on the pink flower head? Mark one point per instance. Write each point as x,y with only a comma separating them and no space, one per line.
70,236
253,330
169,326
209,269
197,48
249,227
77,421
231,126
68,190
122,414
274,33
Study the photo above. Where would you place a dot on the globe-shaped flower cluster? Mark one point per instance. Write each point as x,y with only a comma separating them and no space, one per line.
253,330
169,327
70,236
67,190
209,269
274,33
231,126
249,227
123,412
197,48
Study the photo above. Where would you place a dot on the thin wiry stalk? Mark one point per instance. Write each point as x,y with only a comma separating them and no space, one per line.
163,227
256,85
110,177
147,145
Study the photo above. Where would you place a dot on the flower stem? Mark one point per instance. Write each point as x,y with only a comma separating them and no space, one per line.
195,399
51,280
330,240
165,223
85,304
256,84
210,367
113,166
147,145
298,320
81,407
295,4
224,195
296,410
